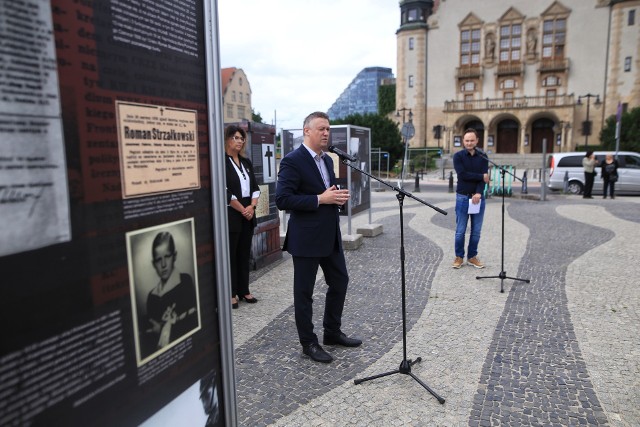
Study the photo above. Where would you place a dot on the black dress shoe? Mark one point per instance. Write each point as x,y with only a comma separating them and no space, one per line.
251,300
341,339
317,353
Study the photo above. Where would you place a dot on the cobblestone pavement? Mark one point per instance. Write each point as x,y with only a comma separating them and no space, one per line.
561,350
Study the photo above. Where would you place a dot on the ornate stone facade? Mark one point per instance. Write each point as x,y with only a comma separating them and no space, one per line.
521,75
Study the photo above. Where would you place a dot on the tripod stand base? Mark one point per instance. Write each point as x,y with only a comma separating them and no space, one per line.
502,276
405,368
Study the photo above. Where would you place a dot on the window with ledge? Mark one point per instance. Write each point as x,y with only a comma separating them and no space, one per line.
411,43
510,43
233,95
553,38
410,81
632,18
241,96
551,97
470,47
241,111
508,99
240,79
229,110
468,101
508,84
248,99
468,87
627,64
551,81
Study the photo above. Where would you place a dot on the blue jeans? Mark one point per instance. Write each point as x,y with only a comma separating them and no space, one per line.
462,218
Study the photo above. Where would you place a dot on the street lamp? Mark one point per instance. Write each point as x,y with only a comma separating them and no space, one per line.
437,133
403,117
408,131
586,125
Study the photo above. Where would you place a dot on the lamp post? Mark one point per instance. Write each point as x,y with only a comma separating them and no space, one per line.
586,125
408,130
404,110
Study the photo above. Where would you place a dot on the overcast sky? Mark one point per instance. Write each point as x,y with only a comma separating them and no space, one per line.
300,55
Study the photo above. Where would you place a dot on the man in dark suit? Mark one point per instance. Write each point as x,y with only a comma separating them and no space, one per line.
306,188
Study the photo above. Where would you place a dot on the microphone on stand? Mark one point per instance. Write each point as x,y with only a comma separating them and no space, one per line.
342,154
481,152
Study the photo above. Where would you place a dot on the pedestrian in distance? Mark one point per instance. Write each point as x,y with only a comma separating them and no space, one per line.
589,163
609,173
472,170
306,187
242,199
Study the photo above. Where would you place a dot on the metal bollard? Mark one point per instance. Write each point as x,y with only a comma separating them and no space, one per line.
565,185
416,188
524,183
451,182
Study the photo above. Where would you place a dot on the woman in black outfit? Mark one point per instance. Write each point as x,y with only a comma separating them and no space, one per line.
242,198
609,174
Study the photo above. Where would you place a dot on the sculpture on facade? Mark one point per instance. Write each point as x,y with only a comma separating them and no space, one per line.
532,42
490,47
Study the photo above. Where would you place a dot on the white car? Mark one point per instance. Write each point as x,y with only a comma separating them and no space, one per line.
570,165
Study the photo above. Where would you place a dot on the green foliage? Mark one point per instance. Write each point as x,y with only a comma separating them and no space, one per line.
386,99
384,132
629,132
256,117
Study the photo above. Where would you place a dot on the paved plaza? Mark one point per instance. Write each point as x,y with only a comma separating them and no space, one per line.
562,350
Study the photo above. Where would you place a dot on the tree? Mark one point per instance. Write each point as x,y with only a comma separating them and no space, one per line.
384,133
256,117
629,132
386,99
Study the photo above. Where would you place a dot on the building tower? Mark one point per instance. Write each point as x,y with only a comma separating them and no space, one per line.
411,80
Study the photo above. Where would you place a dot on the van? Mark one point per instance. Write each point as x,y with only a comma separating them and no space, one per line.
570,164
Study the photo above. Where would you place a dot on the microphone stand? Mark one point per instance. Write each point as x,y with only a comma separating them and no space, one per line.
405,365
503,274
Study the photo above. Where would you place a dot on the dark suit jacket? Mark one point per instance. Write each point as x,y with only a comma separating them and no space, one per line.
313,230
235,218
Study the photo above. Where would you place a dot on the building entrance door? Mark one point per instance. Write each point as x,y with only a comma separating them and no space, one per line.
507,137
479,128
542,129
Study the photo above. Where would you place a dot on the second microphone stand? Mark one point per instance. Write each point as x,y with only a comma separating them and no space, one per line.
503,274
405,365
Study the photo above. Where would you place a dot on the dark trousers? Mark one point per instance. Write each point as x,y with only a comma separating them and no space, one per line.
609,185
304,278
588,183
240,255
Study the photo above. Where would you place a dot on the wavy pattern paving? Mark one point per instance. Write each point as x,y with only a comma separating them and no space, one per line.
602,290
538,354
534,372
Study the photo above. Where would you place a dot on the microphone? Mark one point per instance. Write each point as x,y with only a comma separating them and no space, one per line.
480,151
342,154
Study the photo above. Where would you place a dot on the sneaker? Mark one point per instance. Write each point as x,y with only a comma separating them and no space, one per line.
475,262
457,263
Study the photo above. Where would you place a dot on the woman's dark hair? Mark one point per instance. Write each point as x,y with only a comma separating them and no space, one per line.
589,153
231,130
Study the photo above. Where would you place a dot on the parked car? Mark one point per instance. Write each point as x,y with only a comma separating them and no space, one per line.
571,165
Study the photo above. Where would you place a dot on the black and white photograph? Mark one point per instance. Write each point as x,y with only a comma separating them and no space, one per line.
164,287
